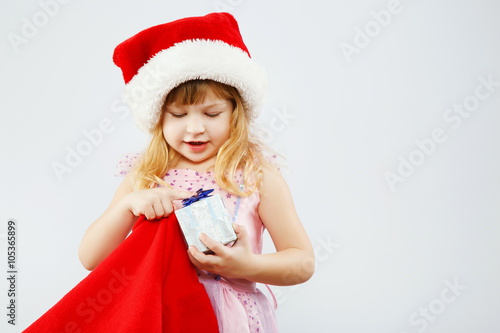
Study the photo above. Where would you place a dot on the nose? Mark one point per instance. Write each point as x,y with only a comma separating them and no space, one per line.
195,125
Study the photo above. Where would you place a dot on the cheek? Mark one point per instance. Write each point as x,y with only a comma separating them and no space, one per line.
224,130
170,131
228,132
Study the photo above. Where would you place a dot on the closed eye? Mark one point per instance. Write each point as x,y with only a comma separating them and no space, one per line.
178,115
213,115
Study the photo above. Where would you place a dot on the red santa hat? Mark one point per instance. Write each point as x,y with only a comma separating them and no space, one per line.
160,58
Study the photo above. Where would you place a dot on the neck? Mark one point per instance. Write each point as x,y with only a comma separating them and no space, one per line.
203,166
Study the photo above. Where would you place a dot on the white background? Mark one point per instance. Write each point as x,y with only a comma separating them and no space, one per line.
385,257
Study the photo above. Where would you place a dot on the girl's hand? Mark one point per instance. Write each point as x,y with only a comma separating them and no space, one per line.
235,261
155,202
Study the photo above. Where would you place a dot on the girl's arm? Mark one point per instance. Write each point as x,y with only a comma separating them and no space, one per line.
113,226
109,230
293,263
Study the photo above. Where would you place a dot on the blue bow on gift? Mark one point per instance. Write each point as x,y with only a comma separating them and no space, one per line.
200,194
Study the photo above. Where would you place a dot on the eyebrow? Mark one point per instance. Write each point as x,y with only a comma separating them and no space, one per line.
204,106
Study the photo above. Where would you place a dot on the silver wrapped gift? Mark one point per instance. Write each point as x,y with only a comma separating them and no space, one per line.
210,216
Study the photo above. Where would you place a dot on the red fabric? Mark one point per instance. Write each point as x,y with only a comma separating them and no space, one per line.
146,285
133,53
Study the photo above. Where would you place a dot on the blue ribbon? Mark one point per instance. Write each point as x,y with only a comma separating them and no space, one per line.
200,194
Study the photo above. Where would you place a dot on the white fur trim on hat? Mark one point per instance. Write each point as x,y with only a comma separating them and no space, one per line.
190,60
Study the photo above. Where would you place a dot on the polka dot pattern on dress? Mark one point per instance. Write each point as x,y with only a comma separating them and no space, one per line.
126,164
250,307
191,180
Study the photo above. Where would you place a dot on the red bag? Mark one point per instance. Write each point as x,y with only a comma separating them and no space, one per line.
147,284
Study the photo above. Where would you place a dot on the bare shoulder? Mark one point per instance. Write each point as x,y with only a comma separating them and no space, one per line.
272,182
277,212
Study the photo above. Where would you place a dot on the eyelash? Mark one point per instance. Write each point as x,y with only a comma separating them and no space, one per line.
211,115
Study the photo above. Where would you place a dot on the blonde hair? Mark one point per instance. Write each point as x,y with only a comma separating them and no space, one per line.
239,152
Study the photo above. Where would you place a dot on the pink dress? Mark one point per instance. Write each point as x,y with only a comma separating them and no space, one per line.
238,304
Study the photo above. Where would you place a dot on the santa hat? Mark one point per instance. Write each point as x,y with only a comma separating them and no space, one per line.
160,58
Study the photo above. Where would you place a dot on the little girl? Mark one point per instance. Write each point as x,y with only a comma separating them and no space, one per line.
192,85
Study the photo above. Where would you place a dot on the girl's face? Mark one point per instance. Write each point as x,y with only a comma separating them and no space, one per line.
198,131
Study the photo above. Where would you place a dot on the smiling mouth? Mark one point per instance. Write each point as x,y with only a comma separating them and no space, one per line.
197,146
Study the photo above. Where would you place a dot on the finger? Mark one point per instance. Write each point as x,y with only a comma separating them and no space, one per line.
167,208
194,254
213,245
197,254
176,194
149,213
240,230
137,212
167,205
158,208
202,260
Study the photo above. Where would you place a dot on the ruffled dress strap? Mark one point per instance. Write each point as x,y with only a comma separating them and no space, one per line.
275,160
126,164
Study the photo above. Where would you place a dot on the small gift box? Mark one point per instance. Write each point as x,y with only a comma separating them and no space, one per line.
207,214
